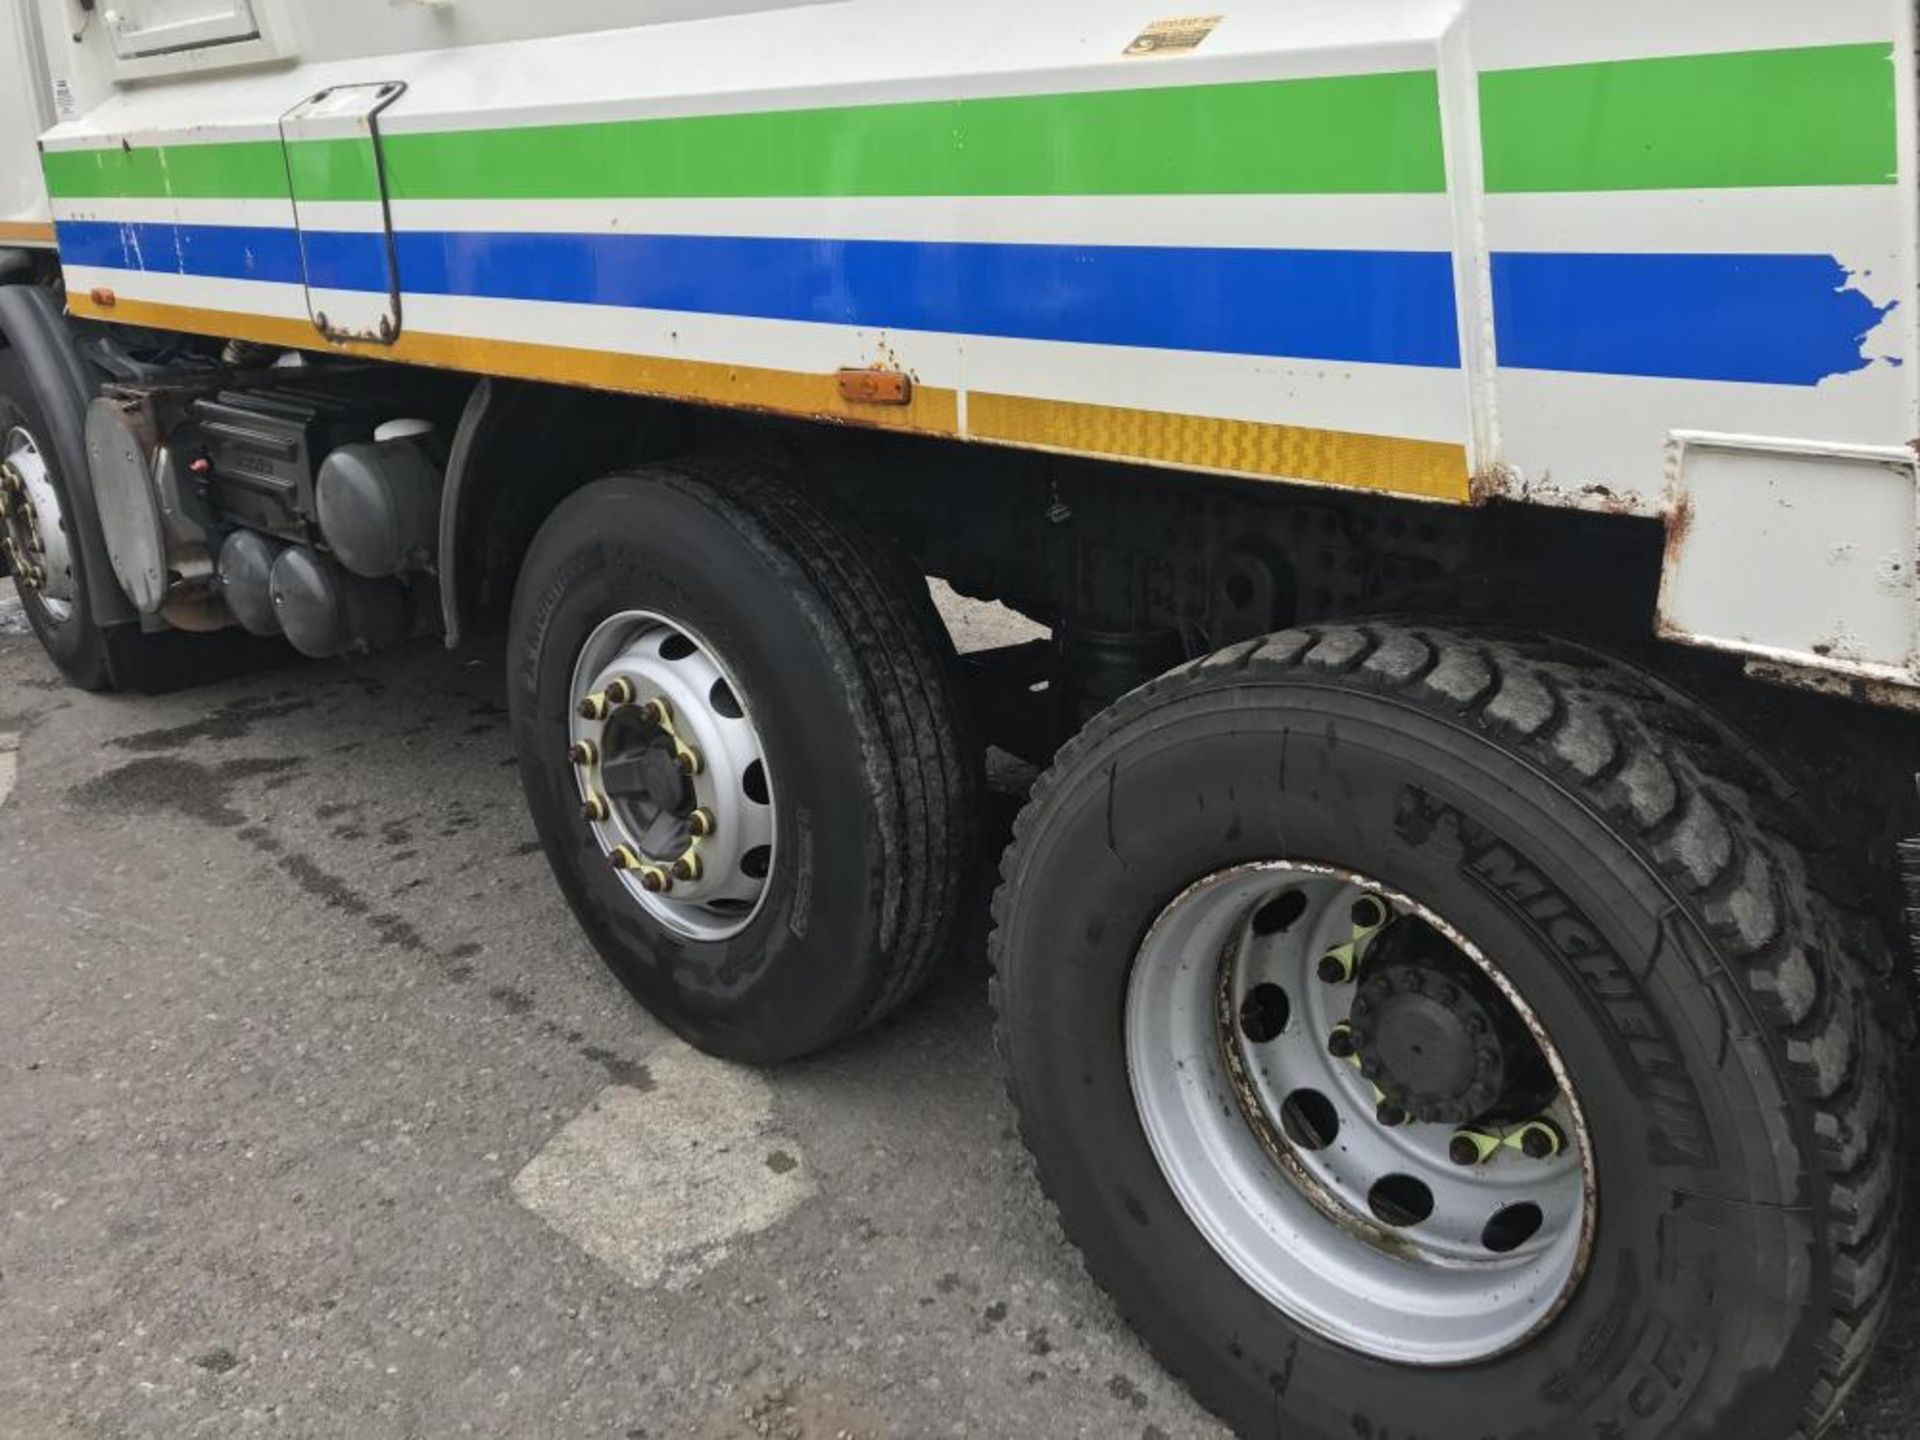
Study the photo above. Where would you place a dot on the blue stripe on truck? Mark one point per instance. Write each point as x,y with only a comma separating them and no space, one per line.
1383,307
1762,319
225,252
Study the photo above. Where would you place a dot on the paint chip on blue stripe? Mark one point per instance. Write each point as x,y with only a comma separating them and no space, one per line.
1752,319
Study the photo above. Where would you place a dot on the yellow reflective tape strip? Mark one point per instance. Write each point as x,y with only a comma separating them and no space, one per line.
25,232
1429,469
931,409
1432,470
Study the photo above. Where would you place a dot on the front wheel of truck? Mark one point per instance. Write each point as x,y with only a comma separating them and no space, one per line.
38,530
1429,1033
739,738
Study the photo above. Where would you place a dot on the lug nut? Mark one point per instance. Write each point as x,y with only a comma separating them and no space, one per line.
594,809
1336,968
595,706
688,866
653,879
688,759
1340,1043
700,823
584,752
1541,1140
620,691
1472,1147
658,712
1390,1114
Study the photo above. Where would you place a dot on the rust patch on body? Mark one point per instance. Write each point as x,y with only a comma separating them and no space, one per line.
1504,482
1679,526
875,387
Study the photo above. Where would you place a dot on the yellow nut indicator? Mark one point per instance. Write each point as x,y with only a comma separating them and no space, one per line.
1369,914
33,533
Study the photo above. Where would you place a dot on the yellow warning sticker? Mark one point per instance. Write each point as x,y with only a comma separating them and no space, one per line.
1171,37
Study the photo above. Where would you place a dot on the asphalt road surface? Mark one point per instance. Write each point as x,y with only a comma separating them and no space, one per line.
318,1117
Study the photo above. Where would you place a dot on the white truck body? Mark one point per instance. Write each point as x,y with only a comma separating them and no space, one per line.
1513,249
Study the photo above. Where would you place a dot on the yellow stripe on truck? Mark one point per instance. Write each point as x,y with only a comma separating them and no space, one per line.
1431,470
1427,469
26,232
931,410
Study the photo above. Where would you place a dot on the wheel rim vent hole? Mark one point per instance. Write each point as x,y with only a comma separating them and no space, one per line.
754,783
1400,1200
1512,1227
757,861
677,647
1279,913
724,701
1309,1119
1264,1013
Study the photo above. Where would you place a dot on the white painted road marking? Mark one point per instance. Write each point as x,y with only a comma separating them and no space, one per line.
9,755
656,1183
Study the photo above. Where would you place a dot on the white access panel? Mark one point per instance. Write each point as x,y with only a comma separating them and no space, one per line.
151,27
1794,551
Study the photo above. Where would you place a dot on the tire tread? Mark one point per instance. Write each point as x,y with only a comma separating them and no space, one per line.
896,640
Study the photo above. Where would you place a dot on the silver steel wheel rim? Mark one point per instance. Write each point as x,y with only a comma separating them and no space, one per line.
33,525
703,878
1294,1218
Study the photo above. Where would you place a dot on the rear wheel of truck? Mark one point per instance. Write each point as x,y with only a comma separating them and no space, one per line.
1423,1033
739,737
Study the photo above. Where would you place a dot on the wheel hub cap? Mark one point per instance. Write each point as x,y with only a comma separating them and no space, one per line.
648,788
1419,1050
1437,1037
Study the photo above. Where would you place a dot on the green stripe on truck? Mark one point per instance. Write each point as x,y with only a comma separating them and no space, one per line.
1360,134
237,170
1350,134
1821,116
